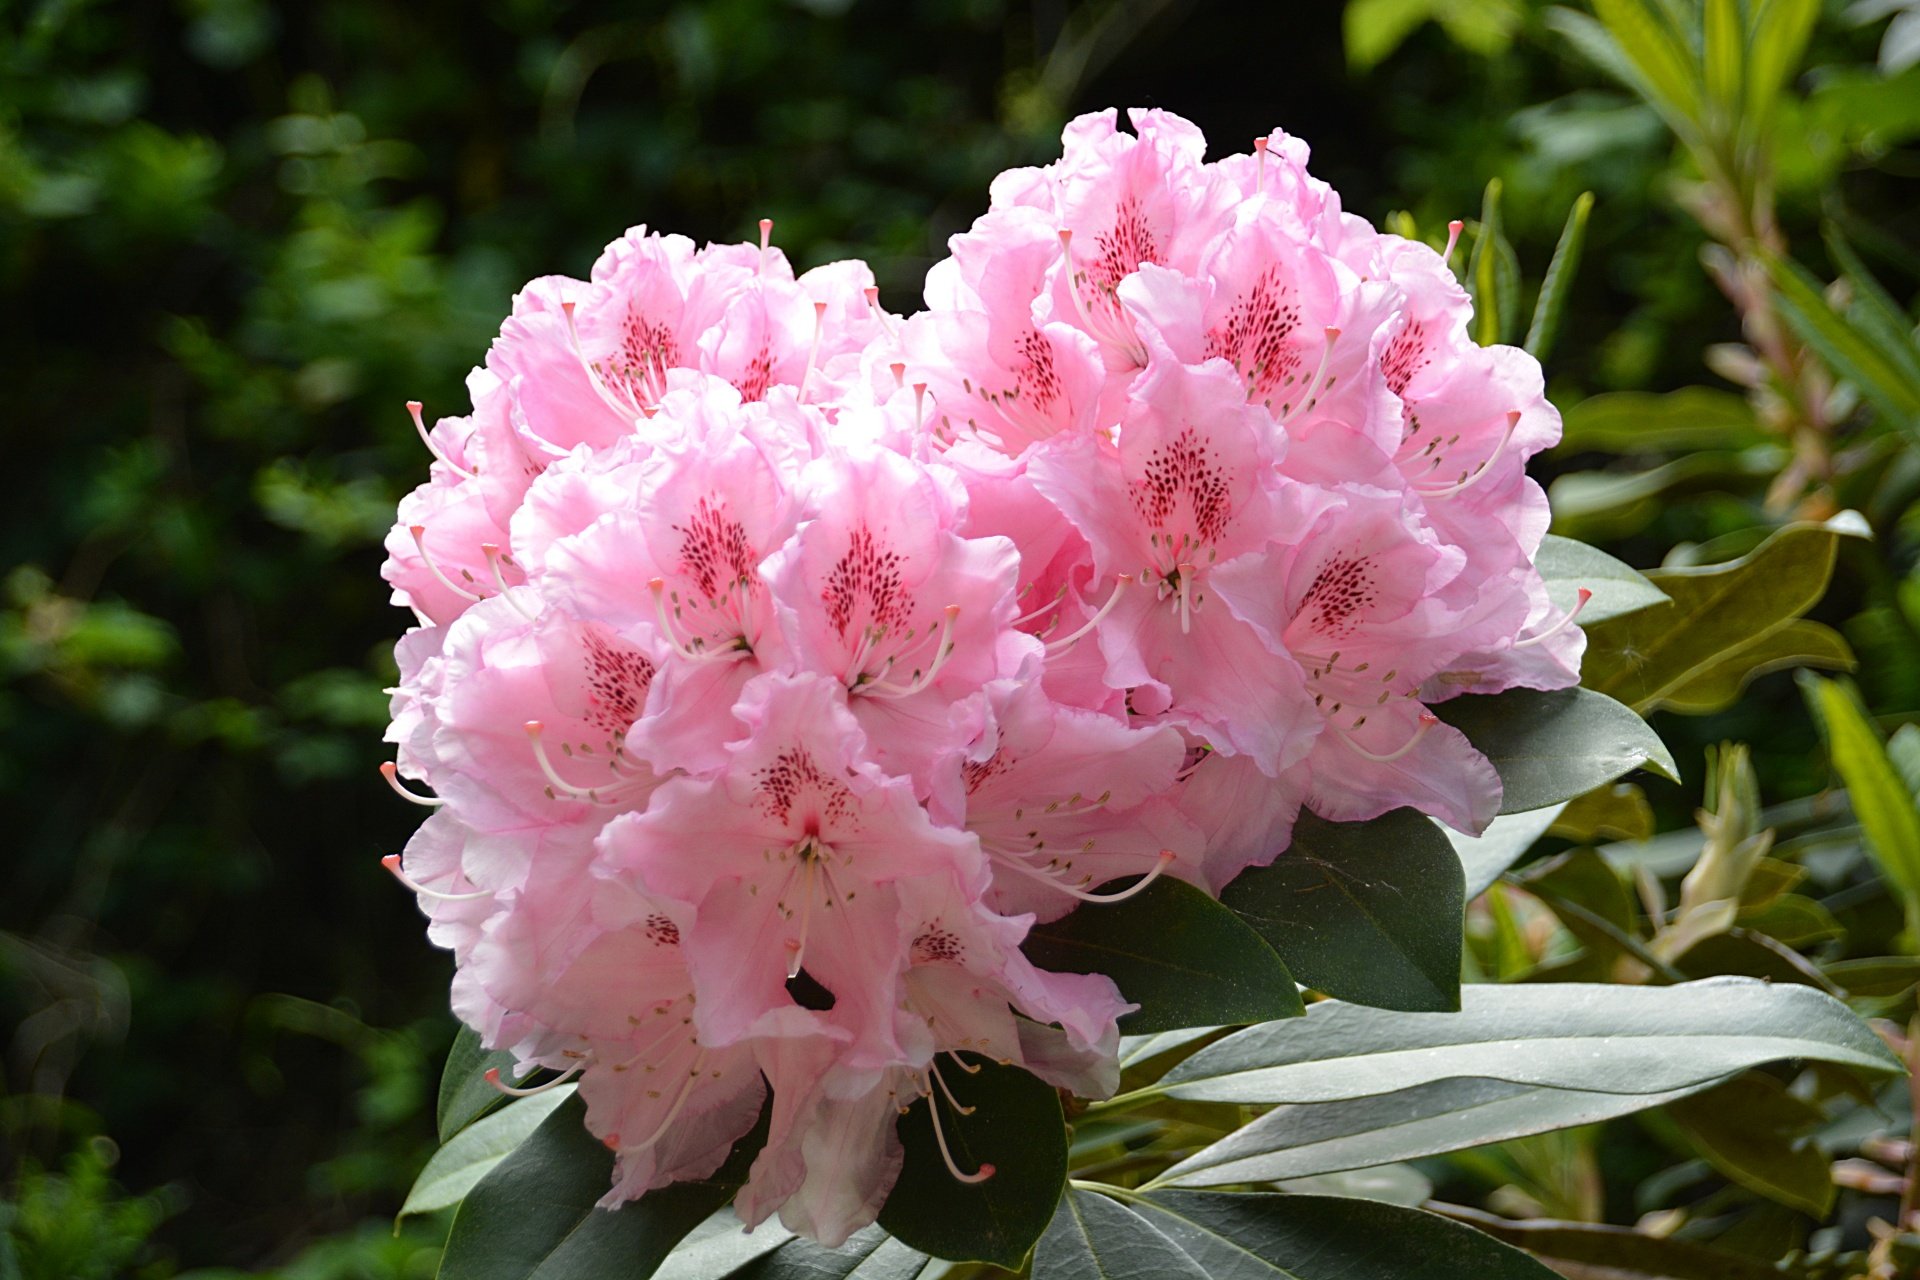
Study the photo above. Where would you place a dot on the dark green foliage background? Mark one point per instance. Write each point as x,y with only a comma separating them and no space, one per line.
236,236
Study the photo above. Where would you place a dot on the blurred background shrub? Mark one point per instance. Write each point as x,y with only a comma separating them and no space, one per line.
236,236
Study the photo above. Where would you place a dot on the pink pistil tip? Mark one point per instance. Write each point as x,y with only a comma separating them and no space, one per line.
492,1076
611,1142
1585,595
1260,145
391,862
987,1171
414,406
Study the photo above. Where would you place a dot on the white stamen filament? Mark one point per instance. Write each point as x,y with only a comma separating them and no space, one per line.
693,649
797,947
426,438
872,295
630,411
943,649
492,553
813,352
1566,620
419,532
391,772
1053,602
1051,879
1312,389
392,863
493,1078
1427,721
673,1112
1120,582
1114,329
939,1135
1513,420
534,729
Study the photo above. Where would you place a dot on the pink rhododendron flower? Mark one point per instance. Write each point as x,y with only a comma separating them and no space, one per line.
783,664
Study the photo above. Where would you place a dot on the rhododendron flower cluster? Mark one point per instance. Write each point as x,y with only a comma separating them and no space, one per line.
781,661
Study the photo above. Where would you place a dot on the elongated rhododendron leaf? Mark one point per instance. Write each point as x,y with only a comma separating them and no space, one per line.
1185,959
1550,747
1368,912
465,1095
533,1217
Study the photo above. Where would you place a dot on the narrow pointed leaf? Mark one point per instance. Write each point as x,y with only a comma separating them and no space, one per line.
1426,1120
1724,57
1667,74
1558,282
1880,797
1598,1037
1016,1126
870,1255
1093,1238
1550,747
1853,354
533,1216
1185,959
1295,1237
1369,912
1621,1250
1780,32
465,1095
471,1153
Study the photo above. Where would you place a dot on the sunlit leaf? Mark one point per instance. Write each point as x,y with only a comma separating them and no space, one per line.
1561,1035
1426,1120
1880,796
473,1151
1558,282
1094,1238
1568,567
1553,746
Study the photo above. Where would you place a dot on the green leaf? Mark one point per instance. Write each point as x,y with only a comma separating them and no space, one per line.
1493,272
1487,856
1093,1238
1851,352
1426,1120
1878,977
1372,29
1798,644
1400,1184
533,1216
1666,73
470,1153
870,1255
1369,912
1724,56
1759,1135
1781,29
465,1095
720,1246
1880,797
1712,611
1685,421
1555,285
1294,1237
1872,308
1568,567
1596,504
1017,1127
1621,1250
1600,1037
1186,960
1549,747
1618,811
